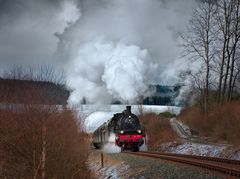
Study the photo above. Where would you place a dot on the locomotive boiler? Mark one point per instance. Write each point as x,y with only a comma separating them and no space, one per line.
126,129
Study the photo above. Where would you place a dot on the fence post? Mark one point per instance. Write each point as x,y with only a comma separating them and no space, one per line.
102,159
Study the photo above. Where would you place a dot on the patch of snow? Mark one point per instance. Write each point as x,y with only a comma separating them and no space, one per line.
200,149
114,171
236,155
184,127
211,150
143,147
181,132
110,172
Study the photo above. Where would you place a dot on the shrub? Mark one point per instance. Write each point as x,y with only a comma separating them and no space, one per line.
221,124
167,115
40,141
158,129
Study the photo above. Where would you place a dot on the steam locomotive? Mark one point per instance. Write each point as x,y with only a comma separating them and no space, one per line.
125,127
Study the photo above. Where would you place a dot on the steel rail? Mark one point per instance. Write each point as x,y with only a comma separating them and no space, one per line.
212,163
216,159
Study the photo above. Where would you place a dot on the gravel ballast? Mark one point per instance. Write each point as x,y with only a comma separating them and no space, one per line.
144,167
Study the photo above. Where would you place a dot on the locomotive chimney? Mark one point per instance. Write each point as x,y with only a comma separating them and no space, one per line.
128,108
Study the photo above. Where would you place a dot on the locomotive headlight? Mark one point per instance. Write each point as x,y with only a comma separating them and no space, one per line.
139,131
121,132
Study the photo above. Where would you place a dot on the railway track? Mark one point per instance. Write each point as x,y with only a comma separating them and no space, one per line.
227,166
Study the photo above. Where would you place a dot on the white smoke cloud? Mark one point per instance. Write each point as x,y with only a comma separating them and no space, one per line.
127,72
110,146
109,71
117,48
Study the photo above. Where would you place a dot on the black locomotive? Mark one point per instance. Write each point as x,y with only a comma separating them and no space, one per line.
126,128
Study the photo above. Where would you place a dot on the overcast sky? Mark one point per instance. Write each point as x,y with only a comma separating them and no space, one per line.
28,26
87,38
27,29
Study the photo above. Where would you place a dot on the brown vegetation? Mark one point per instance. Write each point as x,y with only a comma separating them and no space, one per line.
38,142
158,129
221,124
40,92
39,139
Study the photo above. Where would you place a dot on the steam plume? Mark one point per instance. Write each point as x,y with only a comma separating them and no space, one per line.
117,48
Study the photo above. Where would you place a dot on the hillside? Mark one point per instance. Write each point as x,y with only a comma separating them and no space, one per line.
34,92
39,92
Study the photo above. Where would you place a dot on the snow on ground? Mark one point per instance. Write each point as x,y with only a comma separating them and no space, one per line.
193,148
212,150
197,149
236,155
179,130
111,169
95,115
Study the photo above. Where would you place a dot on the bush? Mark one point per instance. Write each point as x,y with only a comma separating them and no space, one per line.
167,115
221,124
42,141
158,129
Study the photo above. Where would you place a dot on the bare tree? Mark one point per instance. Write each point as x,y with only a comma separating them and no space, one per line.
224,22
235,86
225,10
44,73
199,40
235,48
228,22
213,41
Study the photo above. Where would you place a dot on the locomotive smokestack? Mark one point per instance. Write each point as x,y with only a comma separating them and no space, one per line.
128,108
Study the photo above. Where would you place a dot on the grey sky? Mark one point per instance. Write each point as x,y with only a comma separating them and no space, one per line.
28,28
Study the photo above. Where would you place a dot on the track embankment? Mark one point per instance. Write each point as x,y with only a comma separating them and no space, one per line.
226,166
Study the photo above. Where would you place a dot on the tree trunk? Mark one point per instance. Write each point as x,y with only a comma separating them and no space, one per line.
226,29
206,101
234,82
234,48
225,81
221,70
231,77
44,142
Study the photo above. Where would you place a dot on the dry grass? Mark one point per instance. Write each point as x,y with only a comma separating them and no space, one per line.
221,124
158,129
